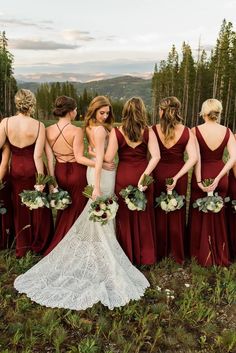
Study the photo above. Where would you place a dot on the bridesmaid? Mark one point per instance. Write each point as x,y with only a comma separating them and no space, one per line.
208,234
26,137
6,220
174,140
65,143
231,213
133,140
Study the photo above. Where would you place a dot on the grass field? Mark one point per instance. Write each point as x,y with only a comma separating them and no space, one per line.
187,309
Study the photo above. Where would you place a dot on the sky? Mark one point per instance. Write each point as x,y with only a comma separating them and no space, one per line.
87,39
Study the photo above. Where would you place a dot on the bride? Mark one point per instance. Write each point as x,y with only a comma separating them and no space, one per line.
88,265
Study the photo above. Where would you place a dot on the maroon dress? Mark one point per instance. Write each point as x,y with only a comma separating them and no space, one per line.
33,228
70,176
231,216
208,232
6,220
135,229
171,226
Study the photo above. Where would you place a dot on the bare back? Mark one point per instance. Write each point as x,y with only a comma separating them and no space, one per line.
213,134
21,131
131,143
61,139
90,131
179,128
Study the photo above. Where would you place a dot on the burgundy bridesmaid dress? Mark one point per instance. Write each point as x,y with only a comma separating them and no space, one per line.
135,229
70,176
33,228
208,231
6,220
231,216
171,226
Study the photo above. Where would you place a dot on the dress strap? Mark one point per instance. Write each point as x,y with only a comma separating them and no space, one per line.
61,134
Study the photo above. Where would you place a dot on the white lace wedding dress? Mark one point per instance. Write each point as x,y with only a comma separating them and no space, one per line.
86,267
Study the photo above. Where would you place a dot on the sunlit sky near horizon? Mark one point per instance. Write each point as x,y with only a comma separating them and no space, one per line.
103,38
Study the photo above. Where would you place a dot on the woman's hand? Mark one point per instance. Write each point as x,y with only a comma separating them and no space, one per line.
108,166
170,187
96,193
140,186
39,187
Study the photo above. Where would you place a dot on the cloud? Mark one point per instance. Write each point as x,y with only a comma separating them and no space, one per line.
77,35
25,23
36,44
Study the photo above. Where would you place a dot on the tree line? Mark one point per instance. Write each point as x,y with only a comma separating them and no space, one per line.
195,80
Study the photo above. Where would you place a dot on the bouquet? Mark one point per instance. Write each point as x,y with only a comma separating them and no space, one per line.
212,202
3,210
58,198
170,201
103,209
134,197
36,198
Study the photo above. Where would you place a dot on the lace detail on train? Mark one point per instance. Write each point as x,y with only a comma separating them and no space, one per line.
86,267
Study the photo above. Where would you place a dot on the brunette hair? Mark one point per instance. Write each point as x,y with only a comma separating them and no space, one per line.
212,108
64,105
25,101
171,116
134,118
97,103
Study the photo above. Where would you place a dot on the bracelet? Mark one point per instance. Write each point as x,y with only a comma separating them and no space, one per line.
199,182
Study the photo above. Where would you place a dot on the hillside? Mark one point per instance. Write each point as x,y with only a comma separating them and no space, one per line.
117,88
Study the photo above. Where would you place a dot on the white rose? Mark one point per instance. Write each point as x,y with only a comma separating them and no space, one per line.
131,206
163,205
219,206
33,206
39,202
65,201
211,206
39,187
173,202
52,203
103,206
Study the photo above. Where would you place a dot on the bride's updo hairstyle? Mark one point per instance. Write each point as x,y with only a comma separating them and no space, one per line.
96,104
25,102
171,116
212,108
63,105
134,118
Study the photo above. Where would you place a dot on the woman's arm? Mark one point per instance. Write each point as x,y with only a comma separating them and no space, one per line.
192,159
231,147
99,141
38,150
154,151
112,147
2,132
6,152
78,149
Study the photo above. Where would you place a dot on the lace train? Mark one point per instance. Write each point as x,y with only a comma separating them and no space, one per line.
86,267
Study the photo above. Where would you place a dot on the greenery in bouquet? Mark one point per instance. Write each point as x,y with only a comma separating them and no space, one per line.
134,196
103,209
3,210
233,203
36,198
59,199
170,201
212,202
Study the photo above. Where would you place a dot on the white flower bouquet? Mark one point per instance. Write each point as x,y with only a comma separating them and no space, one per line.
103,209
59,199
36,198
170,201
212,202
233,203
134,197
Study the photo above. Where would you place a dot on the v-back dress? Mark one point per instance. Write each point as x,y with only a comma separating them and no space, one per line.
135,229
171,226
208,231
33,228
70,176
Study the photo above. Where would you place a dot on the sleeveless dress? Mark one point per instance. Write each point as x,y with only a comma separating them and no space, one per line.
135,229
33,228
208,232
231,216
6,220
86,267
71,176
171,226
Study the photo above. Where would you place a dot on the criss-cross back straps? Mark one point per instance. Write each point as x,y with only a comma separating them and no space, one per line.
59,155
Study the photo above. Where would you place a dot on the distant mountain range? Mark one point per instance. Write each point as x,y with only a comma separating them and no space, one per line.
117,88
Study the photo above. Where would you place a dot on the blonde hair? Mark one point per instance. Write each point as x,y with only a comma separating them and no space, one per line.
97,103
171,116
211,108
25,101
134,118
